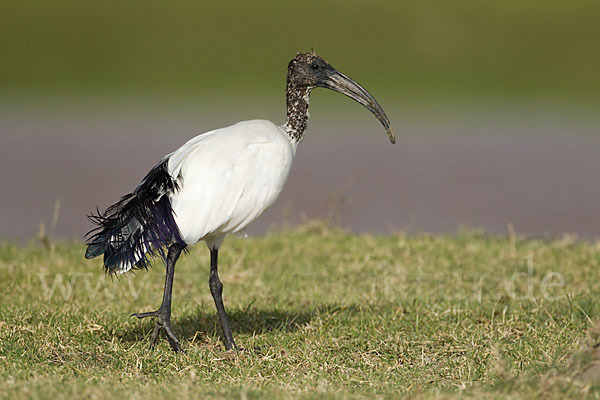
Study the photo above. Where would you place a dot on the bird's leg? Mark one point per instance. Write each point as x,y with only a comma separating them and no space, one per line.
163,314
216,289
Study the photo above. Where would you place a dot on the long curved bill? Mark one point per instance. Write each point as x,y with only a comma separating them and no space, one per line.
342,84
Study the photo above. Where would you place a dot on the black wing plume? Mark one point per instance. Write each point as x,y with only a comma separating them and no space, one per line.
139,225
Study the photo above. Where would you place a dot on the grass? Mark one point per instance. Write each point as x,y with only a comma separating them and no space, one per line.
334,315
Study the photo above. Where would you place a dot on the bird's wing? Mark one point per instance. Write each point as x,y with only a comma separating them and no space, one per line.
228,177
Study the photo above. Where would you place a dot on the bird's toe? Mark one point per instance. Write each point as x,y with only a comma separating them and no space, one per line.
145,314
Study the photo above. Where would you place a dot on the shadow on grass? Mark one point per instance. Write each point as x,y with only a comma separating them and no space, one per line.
243,321
249,321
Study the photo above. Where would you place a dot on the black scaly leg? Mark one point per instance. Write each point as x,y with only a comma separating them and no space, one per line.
163,314
216,289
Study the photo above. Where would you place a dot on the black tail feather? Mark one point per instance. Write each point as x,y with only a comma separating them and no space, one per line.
139,226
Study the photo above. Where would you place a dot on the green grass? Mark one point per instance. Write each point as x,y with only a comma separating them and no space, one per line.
334,314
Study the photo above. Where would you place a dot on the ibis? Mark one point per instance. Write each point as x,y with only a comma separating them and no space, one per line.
215,184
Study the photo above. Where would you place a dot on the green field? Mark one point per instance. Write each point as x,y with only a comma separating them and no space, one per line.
321,313
404,50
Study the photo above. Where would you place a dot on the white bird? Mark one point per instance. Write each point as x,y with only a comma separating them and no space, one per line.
215,184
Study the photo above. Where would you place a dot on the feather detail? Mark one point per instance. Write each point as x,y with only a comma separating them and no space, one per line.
139,226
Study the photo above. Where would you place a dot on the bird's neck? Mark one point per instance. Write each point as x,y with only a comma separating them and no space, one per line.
297,111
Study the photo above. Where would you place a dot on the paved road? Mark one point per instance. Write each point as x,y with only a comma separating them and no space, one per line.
540,174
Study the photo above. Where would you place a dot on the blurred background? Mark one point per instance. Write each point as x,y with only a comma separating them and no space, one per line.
495,107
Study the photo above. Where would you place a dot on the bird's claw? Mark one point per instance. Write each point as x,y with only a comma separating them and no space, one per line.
145,314
162,323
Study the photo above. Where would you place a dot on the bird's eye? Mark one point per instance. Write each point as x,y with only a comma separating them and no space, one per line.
315,66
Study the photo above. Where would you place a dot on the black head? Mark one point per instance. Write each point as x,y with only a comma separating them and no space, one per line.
308,70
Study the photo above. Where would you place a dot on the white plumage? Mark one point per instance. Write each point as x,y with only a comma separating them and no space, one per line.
229,177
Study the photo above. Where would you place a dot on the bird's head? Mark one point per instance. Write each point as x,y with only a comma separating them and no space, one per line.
308,70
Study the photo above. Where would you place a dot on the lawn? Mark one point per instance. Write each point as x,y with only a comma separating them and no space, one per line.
320,313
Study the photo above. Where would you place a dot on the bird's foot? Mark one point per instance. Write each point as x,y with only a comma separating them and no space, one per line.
231,346
163,322
250,351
